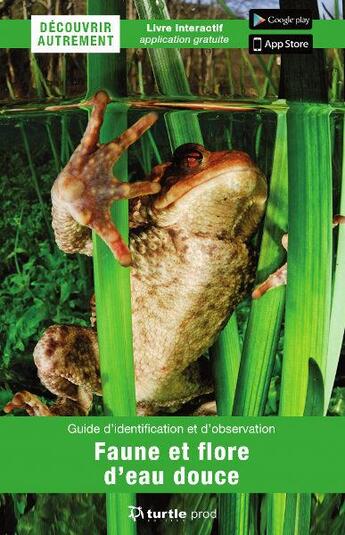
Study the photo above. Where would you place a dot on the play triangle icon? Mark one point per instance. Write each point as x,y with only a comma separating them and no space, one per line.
258,20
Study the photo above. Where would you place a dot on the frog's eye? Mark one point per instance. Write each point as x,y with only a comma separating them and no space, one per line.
189,156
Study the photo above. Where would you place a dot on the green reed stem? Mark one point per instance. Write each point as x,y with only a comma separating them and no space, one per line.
337,322
189,503
251,71
112,282
261,338
66,147
166,63
113,302
154,147
40,83
107,71
236,508
228,64
310,274
260,342
16,240
226,9
275,513
226,357
35,181
268,68
297,514
310,252
53,146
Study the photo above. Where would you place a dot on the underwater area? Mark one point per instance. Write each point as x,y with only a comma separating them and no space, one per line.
41,284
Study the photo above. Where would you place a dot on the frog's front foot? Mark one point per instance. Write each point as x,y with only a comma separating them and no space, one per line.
85,189
279,277
338,220
29,402
276,279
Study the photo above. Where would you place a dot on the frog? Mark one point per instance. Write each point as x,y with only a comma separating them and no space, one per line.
191,262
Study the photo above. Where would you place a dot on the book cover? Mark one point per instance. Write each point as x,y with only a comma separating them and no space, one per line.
172,267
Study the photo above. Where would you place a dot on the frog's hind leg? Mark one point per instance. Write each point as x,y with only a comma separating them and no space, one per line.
35,407
67,361
31,403
68,365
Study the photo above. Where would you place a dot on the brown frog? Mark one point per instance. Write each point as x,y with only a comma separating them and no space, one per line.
191,264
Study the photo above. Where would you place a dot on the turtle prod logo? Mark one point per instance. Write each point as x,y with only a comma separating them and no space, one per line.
135,512
168,515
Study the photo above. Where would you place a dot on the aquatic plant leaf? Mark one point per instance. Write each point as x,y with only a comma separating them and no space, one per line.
315,391
337,321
